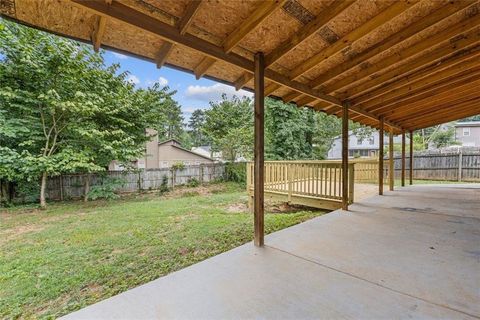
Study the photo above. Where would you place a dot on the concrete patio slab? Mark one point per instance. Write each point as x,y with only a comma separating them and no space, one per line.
388,258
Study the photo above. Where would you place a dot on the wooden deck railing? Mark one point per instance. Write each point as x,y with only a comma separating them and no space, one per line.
312,183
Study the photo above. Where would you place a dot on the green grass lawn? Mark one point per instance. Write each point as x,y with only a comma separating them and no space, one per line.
58,260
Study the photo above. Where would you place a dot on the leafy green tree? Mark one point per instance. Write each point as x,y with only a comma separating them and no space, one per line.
288,131
66,111
229,125
196,124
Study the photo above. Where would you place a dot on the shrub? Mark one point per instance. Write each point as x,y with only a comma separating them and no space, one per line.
192,183
107,189
236,172
164,186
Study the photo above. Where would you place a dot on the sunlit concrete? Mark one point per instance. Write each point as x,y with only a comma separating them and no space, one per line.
413,253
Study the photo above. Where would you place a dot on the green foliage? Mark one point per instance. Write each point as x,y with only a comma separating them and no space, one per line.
288,131
107,189
196,125
178,166
438,137
164,185
229,125
63,110
193,182
236,172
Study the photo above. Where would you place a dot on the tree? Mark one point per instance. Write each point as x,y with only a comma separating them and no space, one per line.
196,124
66,110
229,125
288,131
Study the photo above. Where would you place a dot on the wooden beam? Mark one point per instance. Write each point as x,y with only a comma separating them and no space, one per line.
447,68
188,16
203,67
163,53
380,157
345,157
410,176
98,32
449,37
391,164
264,10
310,29
440,14
386,15
469,111
451,47
403,158
271,88
304,101
258,202
140,20
428,87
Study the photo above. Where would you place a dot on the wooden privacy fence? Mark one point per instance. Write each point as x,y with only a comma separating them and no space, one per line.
458,166
73,185
312,183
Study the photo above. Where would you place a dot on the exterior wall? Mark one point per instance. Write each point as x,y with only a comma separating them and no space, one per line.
471,140
367,147
169,155
151,155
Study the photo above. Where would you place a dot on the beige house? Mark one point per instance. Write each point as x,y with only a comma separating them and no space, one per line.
167,153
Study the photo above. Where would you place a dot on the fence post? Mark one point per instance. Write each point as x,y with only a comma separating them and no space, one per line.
460,160
61,187
289,182
351,182
201,174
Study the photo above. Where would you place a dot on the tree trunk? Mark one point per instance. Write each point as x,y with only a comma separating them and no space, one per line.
43,187
87,188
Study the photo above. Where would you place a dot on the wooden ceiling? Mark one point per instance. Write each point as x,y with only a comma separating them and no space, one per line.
415,63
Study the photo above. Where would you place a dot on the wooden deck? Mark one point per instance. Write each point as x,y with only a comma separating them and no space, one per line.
315,184
412,253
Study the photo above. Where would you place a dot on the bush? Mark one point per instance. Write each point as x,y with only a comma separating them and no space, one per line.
236,172
107,189
164,186
192,183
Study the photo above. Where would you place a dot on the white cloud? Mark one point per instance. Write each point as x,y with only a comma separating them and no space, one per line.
214,92
119,55
133,79
161,80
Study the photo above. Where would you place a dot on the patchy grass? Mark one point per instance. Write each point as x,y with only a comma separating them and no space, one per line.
58,260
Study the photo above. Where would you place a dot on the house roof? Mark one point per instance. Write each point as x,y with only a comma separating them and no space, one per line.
412,63
468,124
178,146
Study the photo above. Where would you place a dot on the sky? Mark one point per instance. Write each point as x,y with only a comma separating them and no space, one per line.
191,94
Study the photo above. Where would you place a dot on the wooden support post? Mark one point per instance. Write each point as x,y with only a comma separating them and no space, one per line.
258,179
345,157
410,172
403,159
380,157
391,166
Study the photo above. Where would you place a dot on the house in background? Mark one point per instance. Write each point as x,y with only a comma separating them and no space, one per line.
363,147
207,152
164,155
468,133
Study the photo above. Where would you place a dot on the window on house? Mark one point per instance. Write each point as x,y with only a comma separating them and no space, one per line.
360,141
466,132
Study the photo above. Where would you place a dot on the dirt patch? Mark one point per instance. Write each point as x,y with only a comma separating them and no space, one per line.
237,208
270,207
16,232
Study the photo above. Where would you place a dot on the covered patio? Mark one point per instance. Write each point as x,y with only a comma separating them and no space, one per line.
397,66
413,253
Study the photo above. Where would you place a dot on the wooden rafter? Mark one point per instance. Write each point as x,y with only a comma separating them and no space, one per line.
98,32
163,53
386,15
265,9
448,68
450,36
137,19
310,29
433,18
188,16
